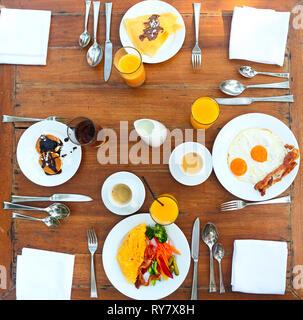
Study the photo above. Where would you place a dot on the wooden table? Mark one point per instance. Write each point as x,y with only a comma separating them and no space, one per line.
67,86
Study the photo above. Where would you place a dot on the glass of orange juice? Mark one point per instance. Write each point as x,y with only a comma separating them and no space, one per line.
164,210
204,112
128,61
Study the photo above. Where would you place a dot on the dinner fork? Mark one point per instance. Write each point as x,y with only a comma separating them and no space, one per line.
239,204
196,52
6,118
92,247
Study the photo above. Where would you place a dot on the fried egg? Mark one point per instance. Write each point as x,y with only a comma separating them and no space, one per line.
254,153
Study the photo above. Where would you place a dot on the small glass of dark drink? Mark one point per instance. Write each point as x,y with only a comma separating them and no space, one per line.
81,131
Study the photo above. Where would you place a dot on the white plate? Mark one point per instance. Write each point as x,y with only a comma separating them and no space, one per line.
176,157
133,182
238,188
173,43
28,157
112,269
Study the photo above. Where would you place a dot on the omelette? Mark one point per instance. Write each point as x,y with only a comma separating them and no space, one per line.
131,252
149,32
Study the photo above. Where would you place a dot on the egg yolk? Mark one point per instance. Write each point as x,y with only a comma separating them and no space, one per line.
238,167
259,153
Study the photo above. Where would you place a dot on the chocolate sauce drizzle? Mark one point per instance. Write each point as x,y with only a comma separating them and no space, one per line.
152,28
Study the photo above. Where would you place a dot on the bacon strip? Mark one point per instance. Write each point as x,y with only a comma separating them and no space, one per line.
279,173
149,258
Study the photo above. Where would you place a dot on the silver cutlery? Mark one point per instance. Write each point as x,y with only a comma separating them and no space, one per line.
56,210
92,247
195,256
234,87
95,53
240,204
48,221
249,72
196,52
6,118
108,49
210,236
218,255
55,197
246,101
84,38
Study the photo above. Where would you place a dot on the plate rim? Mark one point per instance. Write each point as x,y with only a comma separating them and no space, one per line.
144,57
24,135
229,125
126,221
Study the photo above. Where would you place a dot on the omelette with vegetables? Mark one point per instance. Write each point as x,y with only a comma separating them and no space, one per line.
146,255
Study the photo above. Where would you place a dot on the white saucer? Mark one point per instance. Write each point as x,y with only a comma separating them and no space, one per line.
133,182
175,160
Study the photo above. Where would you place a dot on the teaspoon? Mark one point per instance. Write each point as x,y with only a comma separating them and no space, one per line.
56,210
49,221
218,255
249,72
234,87
95,52
84,38
210,236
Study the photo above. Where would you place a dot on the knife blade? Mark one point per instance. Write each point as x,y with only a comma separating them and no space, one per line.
195,241
54,197
108,50
247,101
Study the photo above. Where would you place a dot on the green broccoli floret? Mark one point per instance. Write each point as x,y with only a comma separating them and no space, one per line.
149,232
160,233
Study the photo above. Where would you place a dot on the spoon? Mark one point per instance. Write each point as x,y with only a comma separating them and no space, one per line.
210,236
218,255
95,53
56,210
249,72
234,87
84,38
49,221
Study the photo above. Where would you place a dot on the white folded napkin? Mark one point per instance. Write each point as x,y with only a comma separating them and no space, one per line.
24,36
258,35
44,275
259,266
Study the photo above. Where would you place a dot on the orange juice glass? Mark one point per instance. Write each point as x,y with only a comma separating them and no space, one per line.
128,61
204,112
165,213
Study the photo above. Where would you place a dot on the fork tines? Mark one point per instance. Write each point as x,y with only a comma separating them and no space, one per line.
232,205
92,238
196,57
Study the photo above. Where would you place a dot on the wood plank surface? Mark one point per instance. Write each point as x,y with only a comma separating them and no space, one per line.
67,86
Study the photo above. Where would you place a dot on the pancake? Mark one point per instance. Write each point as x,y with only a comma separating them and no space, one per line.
51,163
131,252
149,32
48,142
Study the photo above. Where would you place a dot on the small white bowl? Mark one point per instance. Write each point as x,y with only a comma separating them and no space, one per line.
175,163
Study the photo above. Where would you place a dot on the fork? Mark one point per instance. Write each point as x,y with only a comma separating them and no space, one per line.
6,118
239,204
196,52
92,247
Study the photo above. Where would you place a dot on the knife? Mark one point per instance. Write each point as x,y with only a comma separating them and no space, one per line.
55,197
108,45
195,240
246,101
